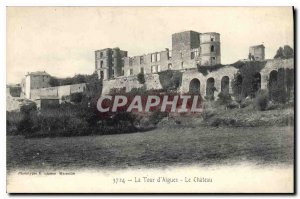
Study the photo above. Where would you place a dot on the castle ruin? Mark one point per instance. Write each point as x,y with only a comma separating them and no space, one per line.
192,52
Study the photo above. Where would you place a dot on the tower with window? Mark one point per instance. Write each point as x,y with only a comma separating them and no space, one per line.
109,63
210,49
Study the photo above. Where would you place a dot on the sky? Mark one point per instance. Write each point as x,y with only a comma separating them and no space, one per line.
62,40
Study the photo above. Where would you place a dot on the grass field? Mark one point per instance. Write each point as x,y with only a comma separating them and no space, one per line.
156,148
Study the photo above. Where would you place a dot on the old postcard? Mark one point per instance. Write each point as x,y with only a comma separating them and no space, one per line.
150,100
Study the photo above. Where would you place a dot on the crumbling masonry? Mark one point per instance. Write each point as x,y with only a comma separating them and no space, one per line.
190,51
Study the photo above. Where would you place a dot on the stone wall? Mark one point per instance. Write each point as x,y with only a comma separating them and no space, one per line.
151,82
57,91
230,71
160,62
274,64
50,91
226,72
217,75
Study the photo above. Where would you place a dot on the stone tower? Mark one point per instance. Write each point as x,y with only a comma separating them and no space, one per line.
257,52
183,43
109,63
210,49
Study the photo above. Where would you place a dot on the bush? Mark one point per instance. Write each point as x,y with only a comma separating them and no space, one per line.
215,122
273,105
245,82
59,121
54,82
157,116
208,113
116,91
224,98
141,78
28,108
284,53
232,105
76,97
138,91
12,121
246,102
205,69
261,100
170,79
25,126
209,97
15,91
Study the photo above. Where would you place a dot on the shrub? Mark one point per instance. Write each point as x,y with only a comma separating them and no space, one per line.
205,69
15,91
232,105
25,126
224,98
114,91
141,78
138,91
157,116
274,105
27,108
284,53
215,122
170,80
209,97
261,100
54,82
76,97
12,121
65,98
124,119
60,121
22,123
245,82
208,113
246,102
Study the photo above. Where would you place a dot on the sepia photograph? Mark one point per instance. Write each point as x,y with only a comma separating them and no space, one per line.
150,100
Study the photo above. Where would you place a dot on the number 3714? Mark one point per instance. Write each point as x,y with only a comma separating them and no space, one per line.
118,180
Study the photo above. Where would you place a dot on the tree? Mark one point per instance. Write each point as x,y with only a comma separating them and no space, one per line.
67,81
141,78
288,52
279,53
54,81
76,97
284,53
261,100
78,79
28,108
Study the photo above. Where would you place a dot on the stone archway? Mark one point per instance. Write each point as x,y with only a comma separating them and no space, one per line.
194,87
210,88
225,85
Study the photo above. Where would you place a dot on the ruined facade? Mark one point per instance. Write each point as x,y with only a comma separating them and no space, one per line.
197,56
109,62
189,49
257,53
58,91
47,102
36,85
34,80
210,49
193,52
221,80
